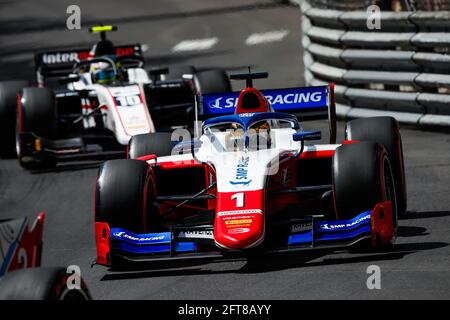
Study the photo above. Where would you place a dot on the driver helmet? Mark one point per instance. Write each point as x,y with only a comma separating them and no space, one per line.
260,136
260,139
102,73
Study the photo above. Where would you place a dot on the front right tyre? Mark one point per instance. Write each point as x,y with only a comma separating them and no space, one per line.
8,106
43,283
36,114
385,131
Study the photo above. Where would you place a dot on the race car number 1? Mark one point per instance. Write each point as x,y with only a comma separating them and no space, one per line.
239,199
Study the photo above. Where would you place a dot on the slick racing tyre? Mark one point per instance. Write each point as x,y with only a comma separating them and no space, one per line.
124,195
8,106
212,81
362,177
177,72
42,284
157,143
385,131
36,113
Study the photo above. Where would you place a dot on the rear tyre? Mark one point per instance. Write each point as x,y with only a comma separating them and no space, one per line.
212,81
8,106
41,284
36,113
177,72
362,177
157,143
385,131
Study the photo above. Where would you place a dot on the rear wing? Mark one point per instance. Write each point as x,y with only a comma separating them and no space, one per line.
307,103
59,63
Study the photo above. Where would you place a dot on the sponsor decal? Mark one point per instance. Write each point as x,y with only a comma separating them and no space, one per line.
242,172
66,94
196,234
246,115
215,104
280,99
240,221
239,212
301,227
124,235
242,183
238,230
56,57
240,217
344,225
135,122
137,126
60,57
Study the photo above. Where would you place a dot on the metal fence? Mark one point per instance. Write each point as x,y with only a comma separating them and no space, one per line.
402,69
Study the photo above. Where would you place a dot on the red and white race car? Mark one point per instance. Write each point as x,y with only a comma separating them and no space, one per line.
21,274
251,183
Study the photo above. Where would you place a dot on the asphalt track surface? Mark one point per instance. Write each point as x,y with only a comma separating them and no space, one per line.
419,266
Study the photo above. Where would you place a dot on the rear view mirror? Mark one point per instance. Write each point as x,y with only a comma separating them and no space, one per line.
307,136
158,71
69,79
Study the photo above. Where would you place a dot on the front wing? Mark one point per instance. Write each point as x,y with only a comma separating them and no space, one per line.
197,242
35,148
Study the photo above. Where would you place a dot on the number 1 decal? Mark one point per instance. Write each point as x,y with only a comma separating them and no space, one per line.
239,199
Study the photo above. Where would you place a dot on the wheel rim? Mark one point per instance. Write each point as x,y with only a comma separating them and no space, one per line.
74,295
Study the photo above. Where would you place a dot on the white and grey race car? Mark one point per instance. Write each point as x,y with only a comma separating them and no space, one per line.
107,98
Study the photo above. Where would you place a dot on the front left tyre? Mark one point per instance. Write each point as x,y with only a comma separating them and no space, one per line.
43,283
124,194
125,197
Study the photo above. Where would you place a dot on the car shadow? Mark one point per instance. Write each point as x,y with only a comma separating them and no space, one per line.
411,231
411,215
66,167
276,262
289,262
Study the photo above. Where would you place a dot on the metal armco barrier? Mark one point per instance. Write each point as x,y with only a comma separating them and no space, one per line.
402,69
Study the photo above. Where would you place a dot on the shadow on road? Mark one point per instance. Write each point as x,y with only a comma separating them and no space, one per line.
411,231
69,167
277,262
425,214
286,262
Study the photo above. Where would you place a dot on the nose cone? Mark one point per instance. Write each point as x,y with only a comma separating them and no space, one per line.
239,221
